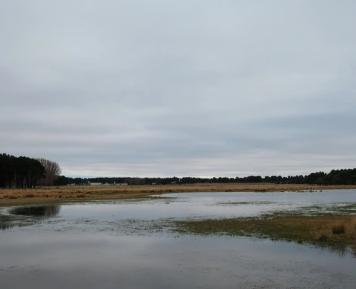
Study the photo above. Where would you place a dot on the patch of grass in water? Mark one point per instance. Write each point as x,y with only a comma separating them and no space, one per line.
338,232
320,210
247,203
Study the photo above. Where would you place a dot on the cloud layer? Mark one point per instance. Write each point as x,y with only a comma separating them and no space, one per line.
162,88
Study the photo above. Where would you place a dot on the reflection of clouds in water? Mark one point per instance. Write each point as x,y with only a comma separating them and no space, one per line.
158,216
27,215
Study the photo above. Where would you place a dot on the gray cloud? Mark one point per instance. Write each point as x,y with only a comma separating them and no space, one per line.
179,87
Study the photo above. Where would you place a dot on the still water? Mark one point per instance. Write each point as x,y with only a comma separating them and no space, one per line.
128,244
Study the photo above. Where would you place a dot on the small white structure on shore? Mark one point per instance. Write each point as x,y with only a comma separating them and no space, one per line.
95,184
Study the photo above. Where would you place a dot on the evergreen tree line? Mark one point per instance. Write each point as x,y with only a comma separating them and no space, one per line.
19,172
335,177
24,172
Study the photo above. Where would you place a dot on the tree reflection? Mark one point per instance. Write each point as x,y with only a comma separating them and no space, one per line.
37,211
27,215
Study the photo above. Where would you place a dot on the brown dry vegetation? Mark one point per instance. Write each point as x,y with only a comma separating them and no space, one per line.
86,193
337,231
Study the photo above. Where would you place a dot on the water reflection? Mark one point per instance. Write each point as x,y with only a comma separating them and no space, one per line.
70,260
37,211
27,215
5,222
95,245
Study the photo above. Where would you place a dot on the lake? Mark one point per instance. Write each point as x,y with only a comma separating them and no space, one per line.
131,244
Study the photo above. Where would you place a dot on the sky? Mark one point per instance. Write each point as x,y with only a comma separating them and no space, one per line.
179,88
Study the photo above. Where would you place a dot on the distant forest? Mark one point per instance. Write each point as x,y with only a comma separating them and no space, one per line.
24,172
335,177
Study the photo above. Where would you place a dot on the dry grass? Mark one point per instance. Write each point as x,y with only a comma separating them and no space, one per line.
334,231
87,193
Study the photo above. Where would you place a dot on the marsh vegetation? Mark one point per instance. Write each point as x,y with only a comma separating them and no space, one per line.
338,232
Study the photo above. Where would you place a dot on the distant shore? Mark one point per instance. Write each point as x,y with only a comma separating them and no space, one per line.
64,194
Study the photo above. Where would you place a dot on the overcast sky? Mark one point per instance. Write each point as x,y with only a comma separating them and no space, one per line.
189,87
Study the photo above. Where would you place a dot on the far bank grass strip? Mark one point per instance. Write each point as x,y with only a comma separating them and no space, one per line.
338,232
43,195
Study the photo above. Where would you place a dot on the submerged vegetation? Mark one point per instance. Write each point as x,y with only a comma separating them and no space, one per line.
337,231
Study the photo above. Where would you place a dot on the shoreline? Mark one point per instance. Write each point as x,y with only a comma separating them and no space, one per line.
65,194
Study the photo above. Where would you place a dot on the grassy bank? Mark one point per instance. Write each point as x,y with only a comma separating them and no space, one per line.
338,231
10,197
